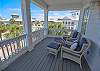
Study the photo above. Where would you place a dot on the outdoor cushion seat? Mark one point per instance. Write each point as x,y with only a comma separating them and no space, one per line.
66,45
54,45
66,39
54,48
72,40
80,44
58,39
75,34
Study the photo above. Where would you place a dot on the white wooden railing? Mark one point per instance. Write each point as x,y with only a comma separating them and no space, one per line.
36,28
37,36
11,47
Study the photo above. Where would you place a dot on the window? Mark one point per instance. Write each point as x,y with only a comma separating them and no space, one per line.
38,24
85,20
68,23
68,27
72,28
73,23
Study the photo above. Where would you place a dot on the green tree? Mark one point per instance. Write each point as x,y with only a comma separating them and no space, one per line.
12,21
2,30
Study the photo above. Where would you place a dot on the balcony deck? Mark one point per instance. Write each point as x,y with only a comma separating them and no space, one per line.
39,60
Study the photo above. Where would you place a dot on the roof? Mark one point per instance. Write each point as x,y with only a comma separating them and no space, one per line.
69,18
66,18
61,4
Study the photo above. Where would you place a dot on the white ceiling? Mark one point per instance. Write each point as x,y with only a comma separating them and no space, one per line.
65,4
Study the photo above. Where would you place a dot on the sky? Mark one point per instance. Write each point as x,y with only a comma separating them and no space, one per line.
9,7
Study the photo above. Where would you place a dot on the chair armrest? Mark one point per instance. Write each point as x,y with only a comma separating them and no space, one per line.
84,47
68,42
70,50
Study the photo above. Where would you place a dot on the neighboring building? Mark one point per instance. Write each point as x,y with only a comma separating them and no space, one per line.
15,16
70,23
54,19
5,21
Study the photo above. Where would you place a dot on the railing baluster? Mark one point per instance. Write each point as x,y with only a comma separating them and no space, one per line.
7,50
24,43
11,49
14,47
3,53
19,44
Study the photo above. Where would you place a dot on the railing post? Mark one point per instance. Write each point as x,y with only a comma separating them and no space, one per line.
26,16
45,22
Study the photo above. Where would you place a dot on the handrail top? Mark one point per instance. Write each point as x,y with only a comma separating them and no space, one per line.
22,36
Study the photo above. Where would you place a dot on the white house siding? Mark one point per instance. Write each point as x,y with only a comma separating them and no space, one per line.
70,26
93,33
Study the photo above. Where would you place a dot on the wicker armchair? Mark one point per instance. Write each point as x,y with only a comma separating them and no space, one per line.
76,55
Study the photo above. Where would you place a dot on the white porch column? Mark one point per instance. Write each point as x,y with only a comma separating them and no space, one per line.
46,22
26,16
80,19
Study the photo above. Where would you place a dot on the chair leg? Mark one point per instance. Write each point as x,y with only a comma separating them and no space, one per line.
81,65
61,54
55,54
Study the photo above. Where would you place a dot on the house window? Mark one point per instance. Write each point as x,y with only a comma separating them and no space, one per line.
72,22
38,24
68,27
68,23
85,20
72,28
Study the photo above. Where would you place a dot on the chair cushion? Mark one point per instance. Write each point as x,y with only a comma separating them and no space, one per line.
75,41
53,45
64,38
72,40
73,46
75,34
80,44
66,45
58,39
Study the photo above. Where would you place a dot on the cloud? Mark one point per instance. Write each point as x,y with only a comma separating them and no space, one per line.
14,9
40,15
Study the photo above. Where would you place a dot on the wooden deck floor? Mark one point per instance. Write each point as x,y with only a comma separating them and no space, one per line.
39,60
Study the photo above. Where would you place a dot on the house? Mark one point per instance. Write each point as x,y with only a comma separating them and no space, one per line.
70,23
